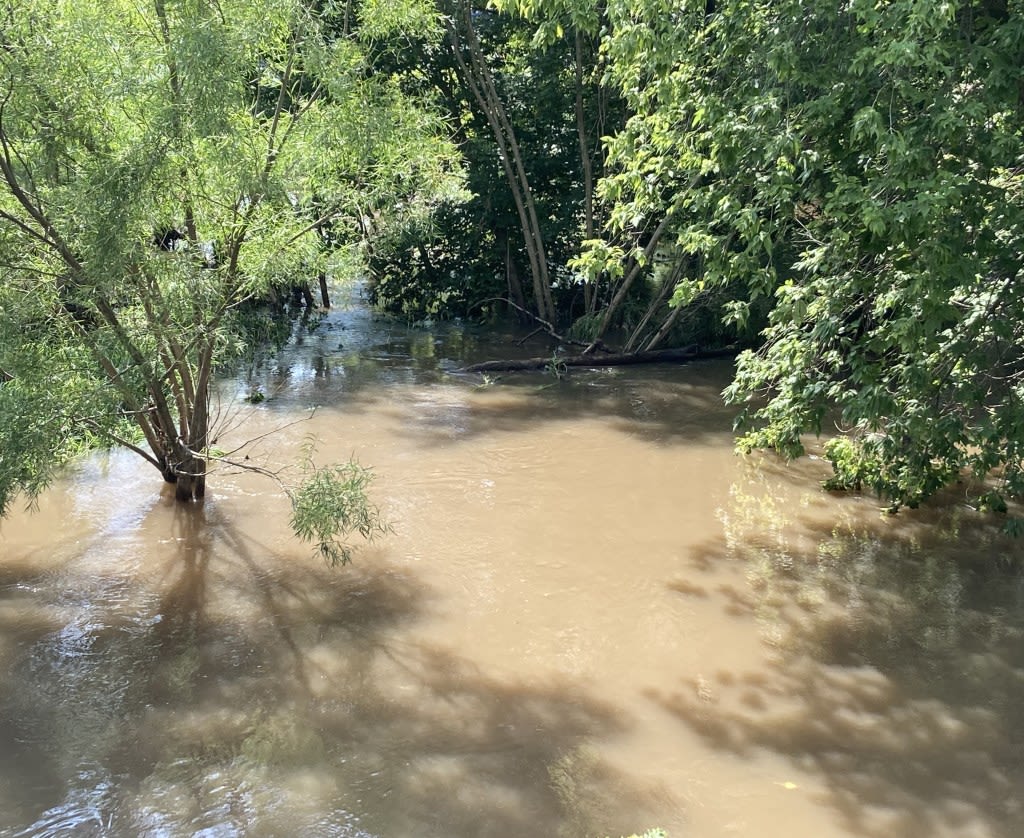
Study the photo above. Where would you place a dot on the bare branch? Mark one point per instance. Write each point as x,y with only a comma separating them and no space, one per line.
545,325
271,432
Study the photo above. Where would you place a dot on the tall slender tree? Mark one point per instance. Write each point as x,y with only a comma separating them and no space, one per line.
478,78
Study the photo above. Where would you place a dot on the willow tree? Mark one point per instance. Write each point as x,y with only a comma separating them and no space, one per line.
161,166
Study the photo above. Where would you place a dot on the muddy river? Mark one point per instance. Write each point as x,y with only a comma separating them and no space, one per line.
592,618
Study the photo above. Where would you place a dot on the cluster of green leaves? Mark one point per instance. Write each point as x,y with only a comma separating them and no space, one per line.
60,404
331,504
857,172
438,265
901,315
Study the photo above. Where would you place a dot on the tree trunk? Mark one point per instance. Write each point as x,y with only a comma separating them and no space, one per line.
167,470
587,165
666,327
191,483
667,287
515,284
478,78
325,297
677,356
636,266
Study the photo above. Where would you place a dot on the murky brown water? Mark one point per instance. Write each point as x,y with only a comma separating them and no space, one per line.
592,619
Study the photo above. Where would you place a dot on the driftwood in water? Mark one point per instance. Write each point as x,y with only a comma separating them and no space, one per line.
676,356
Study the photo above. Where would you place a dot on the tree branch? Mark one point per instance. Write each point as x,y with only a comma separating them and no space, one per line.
546,326
99,429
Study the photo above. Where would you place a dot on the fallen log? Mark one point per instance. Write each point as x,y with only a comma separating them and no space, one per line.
655,356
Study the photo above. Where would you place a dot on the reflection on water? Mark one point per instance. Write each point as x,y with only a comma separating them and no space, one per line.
592,619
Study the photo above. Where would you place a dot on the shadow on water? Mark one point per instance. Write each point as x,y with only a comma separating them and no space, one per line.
170,672
898,663
221,689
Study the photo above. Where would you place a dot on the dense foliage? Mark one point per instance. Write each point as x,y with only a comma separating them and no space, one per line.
837,189
161,167
855,174
528,117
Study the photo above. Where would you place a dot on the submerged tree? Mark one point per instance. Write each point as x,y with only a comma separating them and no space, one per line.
160,168
899,314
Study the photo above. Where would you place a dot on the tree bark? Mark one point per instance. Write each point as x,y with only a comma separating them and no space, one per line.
587,165
515,285
667,287
479,80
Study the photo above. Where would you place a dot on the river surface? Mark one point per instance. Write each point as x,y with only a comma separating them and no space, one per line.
592,618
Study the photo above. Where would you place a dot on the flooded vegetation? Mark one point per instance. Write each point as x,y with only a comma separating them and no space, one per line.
592,618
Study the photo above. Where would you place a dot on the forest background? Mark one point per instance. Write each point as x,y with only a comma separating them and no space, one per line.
836,192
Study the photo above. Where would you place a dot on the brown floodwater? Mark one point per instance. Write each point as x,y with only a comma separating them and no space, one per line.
592,618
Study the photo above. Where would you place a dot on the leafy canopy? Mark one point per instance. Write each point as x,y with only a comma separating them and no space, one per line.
858,171
164,166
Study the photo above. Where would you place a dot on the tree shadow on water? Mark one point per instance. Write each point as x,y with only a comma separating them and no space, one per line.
255,691
896,675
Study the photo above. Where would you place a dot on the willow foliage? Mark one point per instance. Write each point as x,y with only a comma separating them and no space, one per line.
161,165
